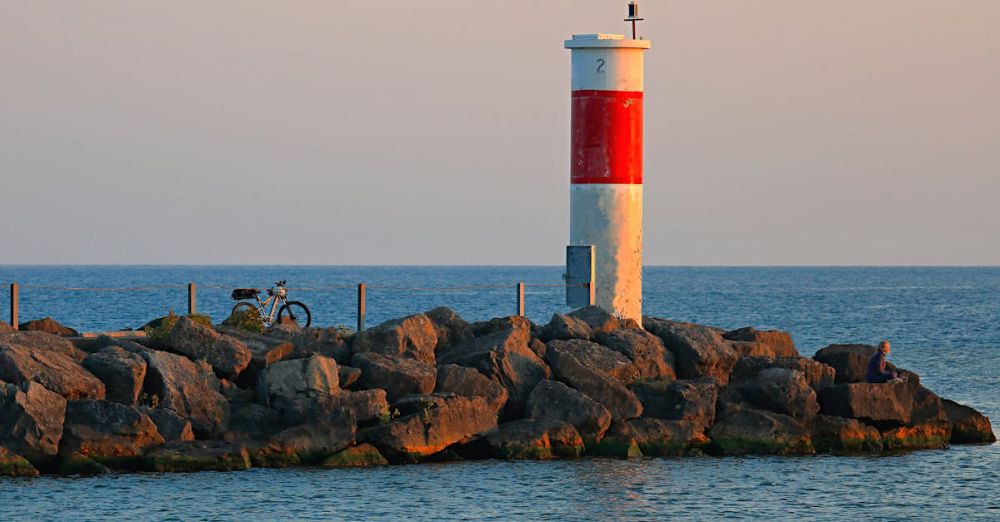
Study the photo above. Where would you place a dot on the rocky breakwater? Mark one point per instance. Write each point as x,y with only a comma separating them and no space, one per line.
433,387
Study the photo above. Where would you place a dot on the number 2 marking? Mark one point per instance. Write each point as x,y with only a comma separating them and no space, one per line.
600,65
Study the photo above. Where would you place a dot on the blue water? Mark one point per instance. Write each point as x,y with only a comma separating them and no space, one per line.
943,324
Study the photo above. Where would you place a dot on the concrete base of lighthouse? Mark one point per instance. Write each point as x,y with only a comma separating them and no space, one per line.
609,216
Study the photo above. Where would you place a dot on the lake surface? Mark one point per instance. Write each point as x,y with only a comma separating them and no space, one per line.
944,324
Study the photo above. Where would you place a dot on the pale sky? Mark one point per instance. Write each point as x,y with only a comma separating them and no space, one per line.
778,132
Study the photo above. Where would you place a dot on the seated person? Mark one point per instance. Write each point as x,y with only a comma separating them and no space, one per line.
876,366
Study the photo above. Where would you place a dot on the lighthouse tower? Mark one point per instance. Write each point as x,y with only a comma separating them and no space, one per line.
606,164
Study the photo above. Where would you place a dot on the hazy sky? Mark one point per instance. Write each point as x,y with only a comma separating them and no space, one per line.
437,131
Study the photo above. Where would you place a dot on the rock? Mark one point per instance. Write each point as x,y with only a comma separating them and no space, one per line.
286,381
505,357
188,388
31,420
553,400
534,439
468,382
449,419
699,351
77,464
364,406
6,328
56,371
928,408
197,456
234,394
817,374
399,377
839,435
48,325
926,435
360,456
330,342
591,378
252,421
871,403
598,358
538,348
264,350
14,465
782,390
653,438
599,319
649,356
313,443
685,400
410,337
450,328
227,355
172,427
968,426
46,342
849,360
122,373
348,375
502,324
763,343
111,433
564,327
750,431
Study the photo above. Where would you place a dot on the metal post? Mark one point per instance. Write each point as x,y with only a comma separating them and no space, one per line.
14,301
520,299
192,301
361,306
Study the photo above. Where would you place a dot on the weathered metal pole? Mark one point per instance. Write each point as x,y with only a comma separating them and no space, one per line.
192,299
361,306
14,302
520,299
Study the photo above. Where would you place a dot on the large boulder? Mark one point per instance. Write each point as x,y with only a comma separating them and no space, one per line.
653,438
782,390
360,456
849,360
31,420
601,359
312,443
468,382
442,421
840,435
57,371
890,403
968,426
699,351
450,328
751,342
226,354
287,381
14,465
502,324
504,356
398,376
197,456
45,342
264,350
172,427
565,327
331,342
917,436
114,434
598,319
534,439
553,400
365,405
817,374
49,326
686,400
571,365
188,388
649,356
751,431
121,371
413,337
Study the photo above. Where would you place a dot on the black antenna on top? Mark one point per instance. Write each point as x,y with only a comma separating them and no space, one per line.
633,15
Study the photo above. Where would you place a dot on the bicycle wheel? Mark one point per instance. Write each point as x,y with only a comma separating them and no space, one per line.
297,312
244,307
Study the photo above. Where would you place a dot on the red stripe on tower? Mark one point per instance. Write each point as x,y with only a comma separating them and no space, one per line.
607,137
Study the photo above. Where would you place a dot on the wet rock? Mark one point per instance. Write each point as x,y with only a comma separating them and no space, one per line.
840,435
699,351
553,400
762,343
410,337
599,319
565,327
399,377
686,400
14,465
188,388
649,356
450,328
750,431
226,354
817,374
468,382
534,439
968,426
348,375
31,420
653,438
926,435
782,390
49,326
20,363
111,433
870,403
592,378
197,456
360,456
849,360
447,420
503,356
76,464
121,371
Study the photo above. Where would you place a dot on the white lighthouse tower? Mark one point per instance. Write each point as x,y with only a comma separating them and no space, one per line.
606,164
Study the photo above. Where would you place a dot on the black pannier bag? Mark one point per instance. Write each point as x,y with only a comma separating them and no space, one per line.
245,293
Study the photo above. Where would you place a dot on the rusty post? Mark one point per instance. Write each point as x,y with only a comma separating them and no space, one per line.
192,300
520,299
14,302
361,307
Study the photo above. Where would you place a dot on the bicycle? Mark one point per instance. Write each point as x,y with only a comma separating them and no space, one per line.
294,310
